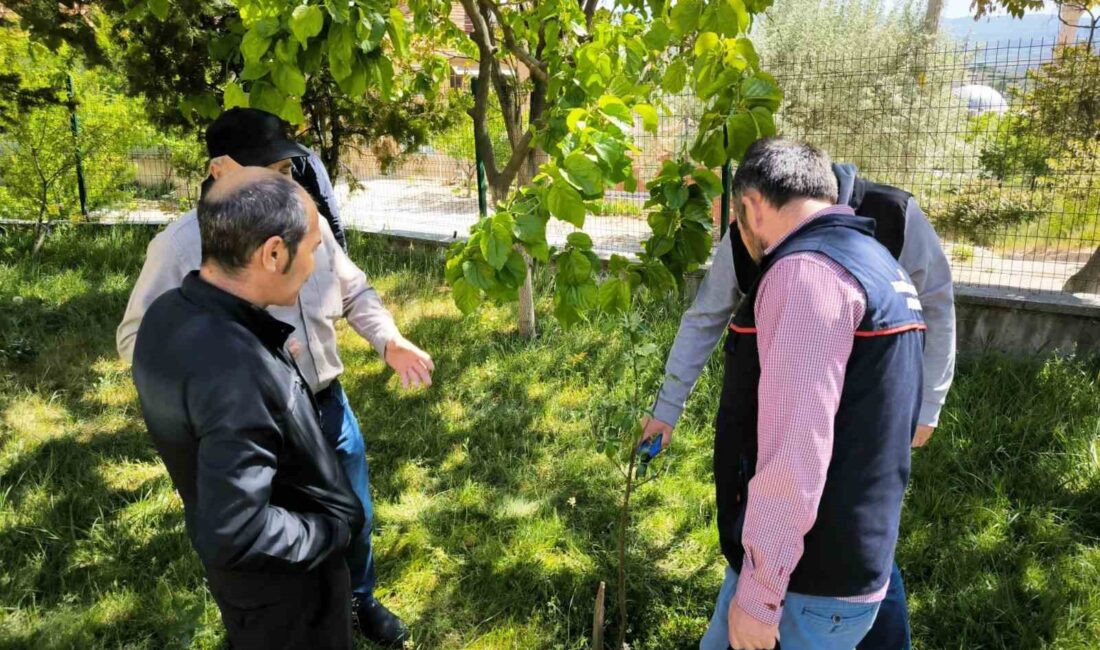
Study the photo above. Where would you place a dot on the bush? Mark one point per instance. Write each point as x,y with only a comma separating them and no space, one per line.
38,157
983,209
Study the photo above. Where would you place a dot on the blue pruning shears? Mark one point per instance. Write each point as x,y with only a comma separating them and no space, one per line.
649,450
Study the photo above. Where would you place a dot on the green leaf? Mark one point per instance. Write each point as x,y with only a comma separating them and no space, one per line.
761,90
479,274
661,222
531,228
685,16
467,297
267,27
710,148
399,35
659,245
255,70
614,296
372,27
658,36
339,10
765,121
698,209
575,121
292,111
159,8
707,181
706,43
579,240
618,264
266,97
727,17
254,45
496,243
675,77
617,113
286,51
383,75
306,22
565,203
289,79
206,105
744,47
539,250
741,132
452,271
234,96
573,268
676,195
341,51
515,269
355,84
583,174
648,115
698,242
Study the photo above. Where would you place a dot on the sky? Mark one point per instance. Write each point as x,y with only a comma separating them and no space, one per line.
957,8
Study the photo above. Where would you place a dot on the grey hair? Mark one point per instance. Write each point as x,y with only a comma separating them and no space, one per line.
235,223
783,170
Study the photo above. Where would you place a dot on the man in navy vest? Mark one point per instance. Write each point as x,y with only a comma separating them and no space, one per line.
819,406
904,229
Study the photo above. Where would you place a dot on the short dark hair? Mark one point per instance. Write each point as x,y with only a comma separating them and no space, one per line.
783,170
234,224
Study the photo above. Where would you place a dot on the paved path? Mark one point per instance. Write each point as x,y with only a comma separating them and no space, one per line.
437,211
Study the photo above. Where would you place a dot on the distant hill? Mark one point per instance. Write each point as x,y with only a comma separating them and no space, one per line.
1003,28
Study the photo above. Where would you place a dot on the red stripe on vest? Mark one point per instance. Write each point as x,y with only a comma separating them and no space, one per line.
893,330
742,330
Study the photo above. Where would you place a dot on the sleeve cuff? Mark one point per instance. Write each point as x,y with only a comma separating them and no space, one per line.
381,340
666,411
929,413
758,601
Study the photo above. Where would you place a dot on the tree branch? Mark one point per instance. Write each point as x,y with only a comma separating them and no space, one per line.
537,68
589,11
519,156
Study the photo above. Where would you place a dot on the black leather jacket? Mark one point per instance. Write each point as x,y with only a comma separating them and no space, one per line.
239,432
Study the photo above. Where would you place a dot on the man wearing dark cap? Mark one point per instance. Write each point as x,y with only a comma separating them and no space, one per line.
252,136
267,506
336,289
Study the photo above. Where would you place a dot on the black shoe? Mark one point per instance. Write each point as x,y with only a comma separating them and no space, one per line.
378,624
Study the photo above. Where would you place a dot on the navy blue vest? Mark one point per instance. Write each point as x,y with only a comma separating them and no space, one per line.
850,549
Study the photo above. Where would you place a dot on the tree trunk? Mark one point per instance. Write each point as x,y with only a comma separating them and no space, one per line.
527,323
932,17
1087,280
1070,16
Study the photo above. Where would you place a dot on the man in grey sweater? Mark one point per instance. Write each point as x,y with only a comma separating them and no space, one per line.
702,326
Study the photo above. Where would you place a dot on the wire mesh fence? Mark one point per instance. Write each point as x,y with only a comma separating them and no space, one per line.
998,143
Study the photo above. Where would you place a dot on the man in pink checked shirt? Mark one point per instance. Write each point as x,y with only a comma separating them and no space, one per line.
819,406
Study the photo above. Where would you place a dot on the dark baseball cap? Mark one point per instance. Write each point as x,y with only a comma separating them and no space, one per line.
251,137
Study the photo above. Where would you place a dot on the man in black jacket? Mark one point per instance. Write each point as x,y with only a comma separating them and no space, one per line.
266,503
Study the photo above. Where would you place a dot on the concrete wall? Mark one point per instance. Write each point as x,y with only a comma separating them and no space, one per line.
995,318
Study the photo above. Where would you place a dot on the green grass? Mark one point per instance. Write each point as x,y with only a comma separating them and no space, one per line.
495,512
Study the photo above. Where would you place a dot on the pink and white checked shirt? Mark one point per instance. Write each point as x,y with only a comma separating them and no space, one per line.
807,310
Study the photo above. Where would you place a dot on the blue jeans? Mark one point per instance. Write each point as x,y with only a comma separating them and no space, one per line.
808,622
341,430
891,628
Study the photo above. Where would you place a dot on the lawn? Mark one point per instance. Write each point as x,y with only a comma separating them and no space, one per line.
496,514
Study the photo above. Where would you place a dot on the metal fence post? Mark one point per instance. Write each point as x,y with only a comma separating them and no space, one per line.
482,184
74,124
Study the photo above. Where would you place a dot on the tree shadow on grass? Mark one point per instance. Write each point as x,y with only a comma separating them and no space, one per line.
1003,509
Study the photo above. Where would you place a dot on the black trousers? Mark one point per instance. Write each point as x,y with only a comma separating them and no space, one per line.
264,611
